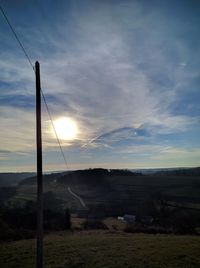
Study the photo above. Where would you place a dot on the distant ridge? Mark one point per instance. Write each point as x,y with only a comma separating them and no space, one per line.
91,176
13,178
180,170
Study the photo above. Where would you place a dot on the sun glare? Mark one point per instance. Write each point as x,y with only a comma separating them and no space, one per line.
66,128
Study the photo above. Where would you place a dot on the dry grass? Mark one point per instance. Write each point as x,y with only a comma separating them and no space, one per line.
103,249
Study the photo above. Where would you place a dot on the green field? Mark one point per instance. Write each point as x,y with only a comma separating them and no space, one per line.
105,250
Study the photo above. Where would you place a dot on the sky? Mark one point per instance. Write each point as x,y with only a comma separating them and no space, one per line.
126,72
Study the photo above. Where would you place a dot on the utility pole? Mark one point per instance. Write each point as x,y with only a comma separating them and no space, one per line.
39,170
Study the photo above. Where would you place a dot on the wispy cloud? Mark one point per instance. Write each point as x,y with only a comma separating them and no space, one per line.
119,71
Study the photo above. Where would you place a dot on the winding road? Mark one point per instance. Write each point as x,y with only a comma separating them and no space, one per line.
77,197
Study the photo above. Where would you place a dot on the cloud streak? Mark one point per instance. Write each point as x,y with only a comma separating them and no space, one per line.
113,67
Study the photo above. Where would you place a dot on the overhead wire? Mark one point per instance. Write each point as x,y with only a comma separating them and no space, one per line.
17,38
48,111
42,93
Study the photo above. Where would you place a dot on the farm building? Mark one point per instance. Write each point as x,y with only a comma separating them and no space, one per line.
129,218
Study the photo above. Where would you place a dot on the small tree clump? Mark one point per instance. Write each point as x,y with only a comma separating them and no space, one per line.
94,225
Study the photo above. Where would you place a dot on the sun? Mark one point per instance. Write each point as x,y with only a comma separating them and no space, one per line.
66,128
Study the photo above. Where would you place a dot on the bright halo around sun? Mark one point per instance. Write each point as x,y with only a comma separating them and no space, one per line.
66,128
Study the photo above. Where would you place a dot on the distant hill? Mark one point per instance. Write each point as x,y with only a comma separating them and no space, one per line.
168,171
117,189
12,179
94,176
180,172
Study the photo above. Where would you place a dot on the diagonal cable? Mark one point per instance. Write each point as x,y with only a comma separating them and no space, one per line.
59,143
32,66
17,38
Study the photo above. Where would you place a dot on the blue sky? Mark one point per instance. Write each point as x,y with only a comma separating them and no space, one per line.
127,72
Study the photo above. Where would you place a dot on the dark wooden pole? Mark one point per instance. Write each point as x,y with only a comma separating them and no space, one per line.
39,170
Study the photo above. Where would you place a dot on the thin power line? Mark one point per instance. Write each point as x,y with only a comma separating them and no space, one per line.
48,111
32,66
17,38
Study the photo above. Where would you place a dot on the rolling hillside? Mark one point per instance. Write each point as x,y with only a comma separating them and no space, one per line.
117,188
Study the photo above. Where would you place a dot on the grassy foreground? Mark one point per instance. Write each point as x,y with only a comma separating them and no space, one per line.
105,250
